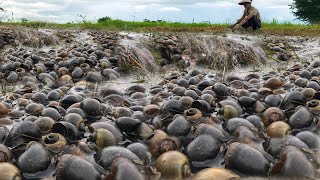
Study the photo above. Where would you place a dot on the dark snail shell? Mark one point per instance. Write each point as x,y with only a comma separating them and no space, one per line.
247,102
202,148
34,109
214,132
311,139
69,100
220,89
68,130
246,159
23,132
293,163
302,118
172,106
275,145
35,159
107,156
74,167
141,150
203,106
75,119
179,126
127,124
173,165
92,108
9,172
256,121
273,100
233,123
52,113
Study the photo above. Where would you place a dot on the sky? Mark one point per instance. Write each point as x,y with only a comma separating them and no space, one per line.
213,11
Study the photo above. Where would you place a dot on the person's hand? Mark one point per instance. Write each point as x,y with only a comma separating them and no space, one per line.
236,27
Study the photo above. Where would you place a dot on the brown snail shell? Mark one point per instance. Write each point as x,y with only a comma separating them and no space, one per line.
5,154
173,165
293,163
216,174
9,172
186,102
271,115
161,142
273,83
278,129
54,142
151,110
45,124
3,110
246,159
103,138
308,93
193,115
74,167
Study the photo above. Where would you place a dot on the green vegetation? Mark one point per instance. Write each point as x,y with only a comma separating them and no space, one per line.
307,10
268,28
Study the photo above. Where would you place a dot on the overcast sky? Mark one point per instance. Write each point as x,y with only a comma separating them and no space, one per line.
214,11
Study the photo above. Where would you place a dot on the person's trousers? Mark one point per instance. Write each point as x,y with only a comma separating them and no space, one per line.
253,22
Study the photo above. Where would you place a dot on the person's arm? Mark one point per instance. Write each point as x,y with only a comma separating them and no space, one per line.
239,20
244,20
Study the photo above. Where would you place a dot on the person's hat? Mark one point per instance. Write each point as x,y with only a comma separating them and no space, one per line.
244,1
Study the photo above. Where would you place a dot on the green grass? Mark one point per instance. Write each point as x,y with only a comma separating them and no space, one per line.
269,28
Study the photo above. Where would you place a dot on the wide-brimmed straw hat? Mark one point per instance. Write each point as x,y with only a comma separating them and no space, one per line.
244,1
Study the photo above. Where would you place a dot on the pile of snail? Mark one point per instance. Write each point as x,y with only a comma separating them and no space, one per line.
190,125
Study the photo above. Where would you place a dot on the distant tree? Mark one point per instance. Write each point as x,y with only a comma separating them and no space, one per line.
103,19
306,10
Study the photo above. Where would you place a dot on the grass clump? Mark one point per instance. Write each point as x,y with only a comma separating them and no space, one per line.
273,27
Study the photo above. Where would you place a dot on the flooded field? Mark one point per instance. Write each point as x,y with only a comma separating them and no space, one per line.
85,104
